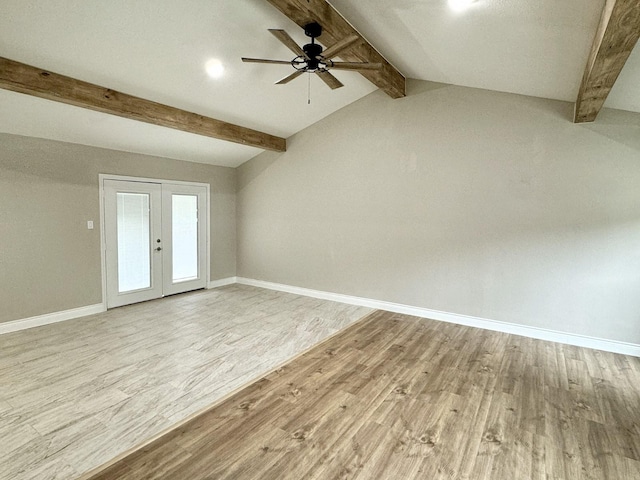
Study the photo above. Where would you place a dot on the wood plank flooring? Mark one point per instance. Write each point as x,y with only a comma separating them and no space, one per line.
73,395
398,397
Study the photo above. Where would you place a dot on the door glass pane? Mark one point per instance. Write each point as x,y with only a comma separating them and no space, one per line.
134,262
184,229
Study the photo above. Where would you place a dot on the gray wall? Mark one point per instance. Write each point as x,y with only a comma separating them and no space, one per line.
456,199
49,261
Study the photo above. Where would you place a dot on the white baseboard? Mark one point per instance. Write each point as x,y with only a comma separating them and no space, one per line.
222,282
47,318
505,327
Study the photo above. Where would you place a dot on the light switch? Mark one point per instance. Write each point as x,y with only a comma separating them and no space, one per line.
90,225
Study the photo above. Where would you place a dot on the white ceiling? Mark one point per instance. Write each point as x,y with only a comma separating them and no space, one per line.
156,49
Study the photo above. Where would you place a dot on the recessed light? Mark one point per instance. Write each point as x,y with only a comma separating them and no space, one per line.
214,68
460,5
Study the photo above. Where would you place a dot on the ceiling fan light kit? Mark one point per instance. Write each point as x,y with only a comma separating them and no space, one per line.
313,58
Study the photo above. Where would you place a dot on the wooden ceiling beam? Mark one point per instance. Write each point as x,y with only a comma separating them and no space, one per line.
22,78
617,34
336,28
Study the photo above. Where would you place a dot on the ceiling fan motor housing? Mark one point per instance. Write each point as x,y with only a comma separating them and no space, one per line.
312,50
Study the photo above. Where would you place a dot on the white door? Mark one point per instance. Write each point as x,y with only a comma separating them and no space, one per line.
184,226
133,221
155,239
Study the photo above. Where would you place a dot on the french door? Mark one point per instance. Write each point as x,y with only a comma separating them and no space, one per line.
155,239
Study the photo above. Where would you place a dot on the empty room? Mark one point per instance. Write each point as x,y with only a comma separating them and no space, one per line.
310,239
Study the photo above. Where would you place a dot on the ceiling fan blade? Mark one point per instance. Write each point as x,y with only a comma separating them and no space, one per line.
355,66
289,42
329,79
288,78
337,48
262,60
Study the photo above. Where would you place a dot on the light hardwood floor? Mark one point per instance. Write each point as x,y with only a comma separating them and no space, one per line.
397,397
74,395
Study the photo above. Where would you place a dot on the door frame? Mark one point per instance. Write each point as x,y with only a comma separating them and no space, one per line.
103,239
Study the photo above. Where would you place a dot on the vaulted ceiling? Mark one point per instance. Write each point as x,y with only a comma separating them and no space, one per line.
157,50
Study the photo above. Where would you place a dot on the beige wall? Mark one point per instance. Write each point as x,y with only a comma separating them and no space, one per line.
456,199
49,261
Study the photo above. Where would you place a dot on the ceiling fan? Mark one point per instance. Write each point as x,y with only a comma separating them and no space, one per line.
312,58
